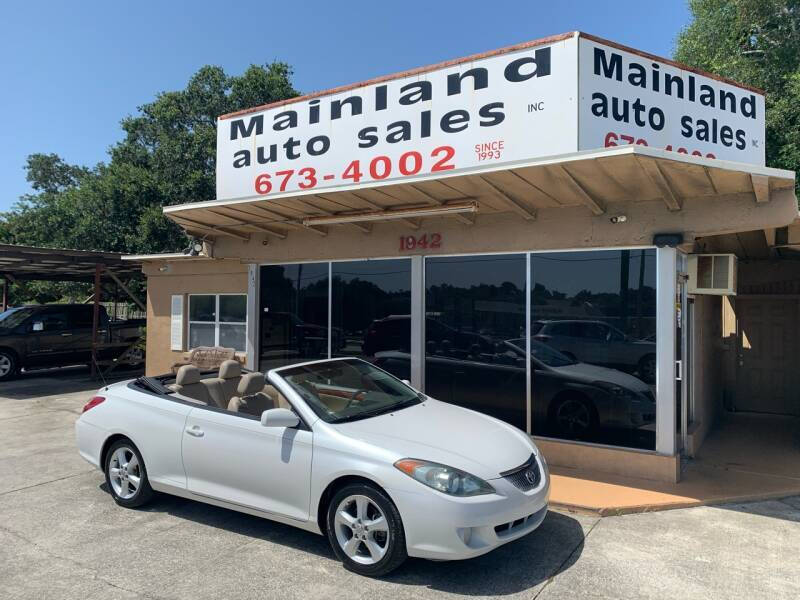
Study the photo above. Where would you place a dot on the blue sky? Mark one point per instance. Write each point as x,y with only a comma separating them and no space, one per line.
74,69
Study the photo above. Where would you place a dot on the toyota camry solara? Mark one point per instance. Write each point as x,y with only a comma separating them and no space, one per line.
337,447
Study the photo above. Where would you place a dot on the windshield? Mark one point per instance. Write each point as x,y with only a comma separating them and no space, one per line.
349,389
14,316
544,353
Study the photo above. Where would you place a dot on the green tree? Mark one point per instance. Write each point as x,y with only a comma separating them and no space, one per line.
166,157
756,42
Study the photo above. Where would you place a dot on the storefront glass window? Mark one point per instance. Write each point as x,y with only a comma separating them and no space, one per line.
593,346
371,308
475,308
294,314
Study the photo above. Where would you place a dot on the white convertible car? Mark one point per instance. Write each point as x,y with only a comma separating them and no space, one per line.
338,447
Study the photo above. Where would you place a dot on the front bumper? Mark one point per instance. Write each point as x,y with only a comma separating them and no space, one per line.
442,527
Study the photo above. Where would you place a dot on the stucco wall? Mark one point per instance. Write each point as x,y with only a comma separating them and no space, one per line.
182,277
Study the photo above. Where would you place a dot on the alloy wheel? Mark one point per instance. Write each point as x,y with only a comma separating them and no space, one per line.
124,472
362,530
573,417
5,365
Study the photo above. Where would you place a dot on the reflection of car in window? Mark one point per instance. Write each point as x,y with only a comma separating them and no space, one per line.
394,333
285,330
571,399
598,343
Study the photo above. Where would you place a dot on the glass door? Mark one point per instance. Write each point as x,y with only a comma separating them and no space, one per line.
682,358
293,314
475,334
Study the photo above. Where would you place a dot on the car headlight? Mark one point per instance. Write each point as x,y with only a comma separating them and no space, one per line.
613,388
442,478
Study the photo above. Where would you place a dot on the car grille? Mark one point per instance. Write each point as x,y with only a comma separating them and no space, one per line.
514,526
526,476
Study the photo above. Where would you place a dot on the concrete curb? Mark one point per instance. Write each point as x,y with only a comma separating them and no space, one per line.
612,511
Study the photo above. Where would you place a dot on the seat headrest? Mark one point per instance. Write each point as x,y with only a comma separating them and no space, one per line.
272,393
187,375
230,369
252,383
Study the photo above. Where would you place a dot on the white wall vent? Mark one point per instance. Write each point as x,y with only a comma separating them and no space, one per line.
713,274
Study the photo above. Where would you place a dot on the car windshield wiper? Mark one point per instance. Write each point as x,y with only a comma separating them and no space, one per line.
378,411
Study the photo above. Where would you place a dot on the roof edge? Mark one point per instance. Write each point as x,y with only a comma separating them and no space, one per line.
674,63
504,50
156,257
415,71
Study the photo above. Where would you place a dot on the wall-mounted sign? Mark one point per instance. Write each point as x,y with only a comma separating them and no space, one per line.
423,241
531,101
505,107
628,98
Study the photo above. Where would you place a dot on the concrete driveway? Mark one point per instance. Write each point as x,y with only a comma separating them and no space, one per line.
62,537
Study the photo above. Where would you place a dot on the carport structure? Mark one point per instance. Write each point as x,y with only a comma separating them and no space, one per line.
31,263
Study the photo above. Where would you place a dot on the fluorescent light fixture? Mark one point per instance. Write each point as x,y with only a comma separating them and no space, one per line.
400,213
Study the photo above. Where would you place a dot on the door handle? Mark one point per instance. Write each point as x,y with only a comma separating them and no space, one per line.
66,334
195,431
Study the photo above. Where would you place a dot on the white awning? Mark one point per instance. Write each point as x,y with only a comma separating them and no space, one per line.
592,179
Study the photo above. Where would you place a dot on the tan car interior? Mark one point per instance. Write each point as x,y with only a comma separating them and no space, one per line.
229,390
254,396
225,386
334,399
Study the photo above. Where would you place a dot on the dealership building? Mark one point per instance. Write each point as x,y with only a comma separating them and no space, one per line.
568,234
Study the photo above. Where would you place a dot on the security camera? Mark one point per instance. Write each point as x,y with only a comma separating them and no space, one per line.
618,219
195,248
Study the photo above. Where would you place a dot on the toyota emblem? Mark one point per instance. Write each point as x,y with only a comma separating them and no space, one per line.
530,476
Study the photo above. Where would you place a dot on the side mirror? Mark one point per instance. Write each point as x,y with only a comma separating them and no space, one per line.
408,383
279,417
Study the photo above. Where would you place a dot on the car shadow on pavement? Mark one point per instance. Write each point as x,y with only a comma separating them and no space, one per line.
786,509
515,567
53,382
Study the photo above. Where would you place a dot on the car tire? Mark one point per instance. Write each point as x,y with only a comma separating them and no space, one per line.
126,475
574,417
647,368
9,367
378,551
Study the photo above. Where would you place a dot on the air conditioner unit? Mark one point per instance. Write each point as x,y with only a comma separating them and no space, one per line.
712,274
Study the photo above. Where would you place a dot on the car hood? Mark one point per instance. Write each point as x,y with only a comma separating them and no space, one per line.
446,434
590,373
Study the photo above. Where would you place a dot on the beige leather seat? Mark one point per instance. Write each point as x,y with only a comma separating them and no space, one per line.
187,383
224,387
251,398
277,398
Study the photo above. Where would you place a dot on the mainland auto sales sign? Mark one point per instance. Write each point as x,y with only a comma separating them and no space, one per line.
533,101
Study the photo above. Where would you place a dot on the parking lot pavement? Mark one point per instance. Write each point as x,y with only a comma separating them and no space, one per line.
62,537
